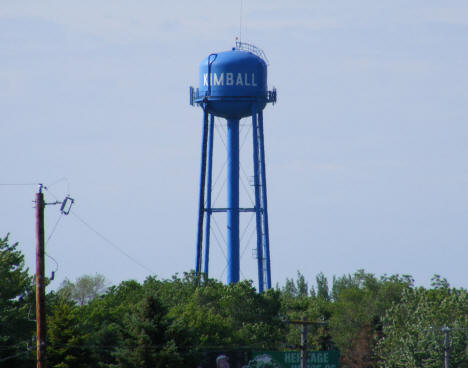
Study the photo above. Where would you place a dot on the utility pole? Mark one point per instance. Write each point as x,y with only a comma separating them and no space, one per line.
40,272
304,330
304,344
446,331
40,282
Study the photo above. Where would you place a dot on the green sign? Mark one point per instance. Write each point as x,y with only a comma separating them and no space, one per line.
292,359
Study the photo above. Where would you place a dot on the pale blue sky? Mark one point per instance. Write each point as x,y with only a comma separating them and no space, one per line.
366,148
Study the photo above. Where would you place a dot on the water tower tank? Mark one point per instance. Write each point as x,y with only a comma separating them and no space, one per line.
231,81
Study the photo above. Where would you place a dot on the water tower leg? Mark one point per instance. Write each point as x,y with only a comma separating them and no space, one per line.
257,200
233,200
208,196
201,198
266,234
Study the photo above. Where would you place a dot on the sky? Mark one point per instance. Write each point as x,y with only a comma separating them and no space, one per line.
366,148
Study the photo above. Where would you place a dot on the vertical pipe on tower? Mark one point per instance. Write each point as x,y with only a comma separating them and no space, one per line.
201,198
233,200
258,205
208,195
264,201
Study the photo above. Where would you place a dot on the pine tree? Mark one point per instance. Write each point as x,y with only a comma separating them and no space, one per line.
66,340
16,298
146,339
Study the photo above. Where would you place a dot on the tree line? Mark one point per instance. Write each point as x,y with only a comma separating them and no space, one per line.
384,321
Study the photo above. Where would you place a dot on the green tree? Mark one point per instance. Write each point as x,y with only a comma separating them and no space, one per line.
412,329
104,318
66,338
301,285
85,289
230,316
289,289
322,287
146,340
16,301
360,302
298,305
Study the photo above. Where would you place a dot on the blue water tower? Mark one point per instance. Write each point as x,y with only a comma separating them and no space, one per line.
233,85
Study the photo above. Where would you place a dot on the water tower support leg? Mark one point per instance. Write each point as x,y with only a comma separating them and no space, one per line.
208,196
201,198
266,234
233,200
257,200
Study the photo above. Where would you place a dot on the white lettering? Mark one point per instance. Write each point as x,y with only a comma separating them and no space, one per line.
242,79
229,79
253,80
291,357
246,80
239,80
220,81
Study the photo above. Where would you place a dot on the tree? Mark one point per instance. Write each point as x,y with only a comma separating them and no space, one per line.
296,288
66,339
360,302
296,304
302,287
104,318
412,329
229,316
289,289
85,289
322,287
146,341
16,301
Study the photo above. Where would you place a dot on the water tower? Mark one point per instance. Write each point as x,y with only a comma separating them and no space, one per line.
233,85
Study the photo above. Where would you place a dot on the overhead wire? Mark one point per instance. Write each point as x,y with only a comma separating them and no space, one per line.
59,181
54,228
53,232
56,264
17,184
111,243
105,239
14,356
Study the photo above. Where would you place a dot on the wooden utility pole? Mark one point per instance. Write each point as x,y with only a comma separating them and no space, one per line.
446,331
304,344
304,323
40,282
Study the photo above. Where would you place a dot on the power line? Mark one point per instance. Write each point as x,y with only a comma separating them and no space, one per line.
100,235
16,184
65,179
54,228
14,356
112,244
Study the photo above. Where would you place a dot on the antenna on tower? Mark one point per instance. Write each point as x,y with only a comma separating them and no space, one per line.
240,20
